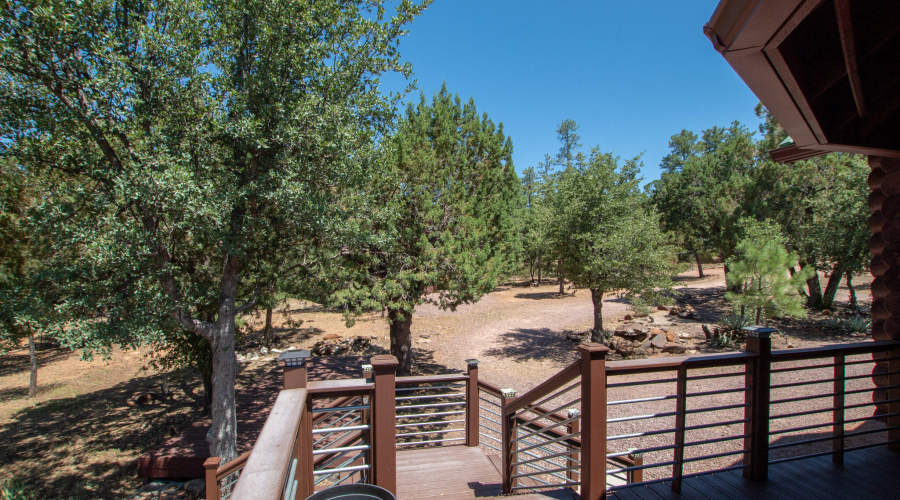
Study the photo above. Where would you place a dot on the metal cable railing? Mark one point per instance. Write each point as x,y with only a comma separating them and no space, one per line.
430,412
341,442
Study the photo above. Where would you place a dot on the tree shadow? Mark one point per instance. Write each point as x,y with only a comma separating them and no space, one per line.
19,361
541,295
13,393
423,363
534,344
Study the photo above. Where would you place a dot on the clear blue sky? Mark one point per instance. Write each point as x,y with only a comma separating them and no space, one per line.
631,73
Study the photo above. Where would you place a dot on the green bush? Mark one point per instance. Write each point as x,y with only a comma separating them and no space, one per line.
839,326
733,323
14,489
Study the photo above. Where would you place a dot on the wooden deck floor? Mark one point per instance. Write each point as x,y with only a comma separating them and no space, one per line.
457,473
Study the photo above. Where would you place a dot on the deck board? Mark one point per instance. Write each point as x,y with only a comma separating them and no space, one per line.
461,473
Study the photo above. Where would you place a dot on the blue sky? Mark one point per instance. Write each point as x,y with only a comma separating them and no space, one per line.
631,73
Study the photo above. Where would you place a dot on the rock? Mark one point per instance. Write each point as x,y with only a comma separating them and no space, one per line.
424,341
332,336
624,349
276,351
827,312
252,356
791,346
638,334
646,345
640,315
573,337
628,317
656,331
674,348
240,357
195,487
662,308
263,350
691,351
671,336
645,331
658,341
424,336
650,319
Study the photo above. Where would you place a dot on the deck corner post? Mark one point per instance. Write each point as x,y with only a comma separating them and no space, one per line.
507,434
294,371
893,395
757,397
472,403
384,422
212,483
303,451
573,427
593,418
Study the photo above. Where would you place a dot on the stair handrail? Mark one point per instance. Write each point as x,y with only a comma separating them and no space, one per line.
545,388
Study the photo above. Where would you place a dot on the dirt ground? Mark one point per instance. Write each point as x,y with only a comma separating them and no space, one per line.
82,434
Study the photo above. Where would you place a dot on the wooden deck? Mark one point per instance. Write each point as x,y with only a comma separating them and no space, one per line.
458,472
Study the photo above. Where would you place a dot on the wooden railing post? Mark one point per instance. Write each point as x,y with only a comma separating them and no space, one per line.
636,476
212,483
837,427
507,434
593,421
384,420
893,394
757,397
574,427
472,403
303,452
680,419
294,374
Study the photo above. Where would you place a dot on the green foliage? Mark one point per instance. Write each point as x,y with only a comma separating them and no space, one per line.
760,270
846,326
15,489
733,323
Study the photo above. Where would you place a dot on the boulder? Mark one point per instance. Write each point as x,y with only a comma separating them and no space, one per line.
628,317
656,331
673,348
658,341
332,336
671,336
646,345
195,487
662,308
624,349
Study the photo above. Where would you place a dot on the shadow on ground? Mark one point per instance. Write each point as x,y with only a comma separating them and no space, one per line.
20,362
534,344
541,295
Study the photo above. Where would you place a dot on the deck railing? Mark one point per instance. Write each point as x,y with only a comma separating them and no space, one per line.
220,479
594,426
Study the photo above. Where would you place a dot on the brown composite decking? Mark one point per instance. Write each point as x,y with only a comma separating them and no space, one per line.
461,473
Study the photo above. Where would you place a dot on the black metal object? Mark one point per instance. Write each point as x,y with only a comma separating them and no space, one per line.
354,492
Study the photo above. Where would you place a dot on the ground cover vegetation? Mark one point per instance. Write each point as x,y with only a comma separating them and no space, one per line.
167,169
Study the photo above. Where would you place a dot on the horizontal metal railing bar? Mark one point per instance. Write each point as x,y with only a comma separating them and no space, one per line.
339,481
547,414
870,417
716,424
870,389
641,450
329,451
550,449
639,434
545,429
802,398
714,455
490,437
799,368
865,361
336,440
664,479
435,422
491,412
343,408
832,350
641,382
871,445
870,375
488,401
408,443
431,396
715,375
549,386
548,485
870,431
489,419
717,408
331,430
544,471
342,469
798,443
810,455
641,400
551,441
872,403
800,413
716,392
672,363
491,447
437,414
716,440
548,457
806,382
430,388
431,379
802,428
641,417
432,405
641,467
325,477
338,419
336,458
422,433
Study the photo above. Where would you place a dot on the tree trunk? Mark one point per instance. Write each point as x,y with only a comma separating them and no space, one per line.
699,265
267,330
222,436
539,269
831,287
207,378
562,278
597,300
401,339
853,305
32,381
814,293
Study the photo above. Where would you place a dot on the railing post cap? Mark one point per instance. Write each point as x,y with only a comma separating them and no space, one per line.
574,412
472,362
594,349
508,393
384,363
367,368
759,331
294,357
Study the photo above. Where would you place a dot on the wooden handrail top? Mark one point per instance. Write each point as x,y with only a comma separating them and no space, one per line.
270,459
632,366
546,388
424,379
340,387
489,388
827,351
232,466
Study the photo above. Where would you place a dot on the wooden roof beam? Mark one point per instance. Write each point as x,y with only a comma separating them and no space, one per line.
848,45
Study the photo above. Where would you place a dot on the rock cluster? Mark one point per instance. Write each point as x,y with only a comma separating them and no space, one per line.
335,345
640,341
171,490
683,312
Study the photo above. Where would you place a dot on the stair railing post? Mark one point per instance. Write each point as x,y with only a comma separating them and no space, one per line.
303,452
294,374
212,483
472,403
573,427
384,417
593,421
507,434
758,396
